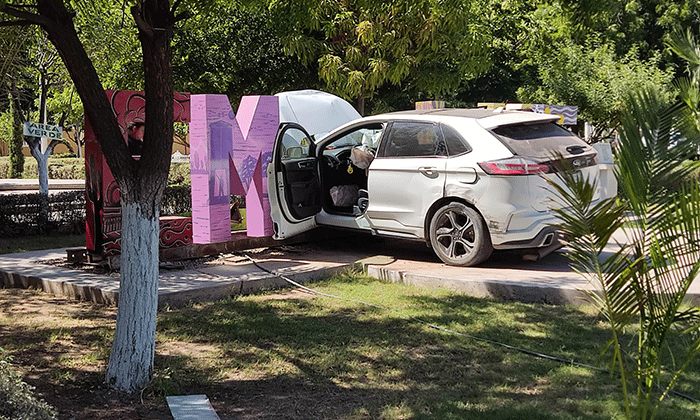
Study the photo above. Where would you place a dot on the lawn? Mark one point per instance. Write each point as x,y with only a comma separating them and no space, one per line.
292,355
33,243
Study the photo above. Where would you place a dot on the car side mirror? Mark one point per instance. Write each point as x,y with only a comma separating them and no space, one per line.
293,152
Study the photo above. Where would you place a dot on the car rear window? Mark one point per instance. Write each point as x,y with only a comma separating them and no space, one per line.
541,140
455,143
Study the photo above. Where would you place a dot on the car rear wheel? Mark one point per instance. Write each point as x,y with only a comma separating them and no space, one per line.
458,235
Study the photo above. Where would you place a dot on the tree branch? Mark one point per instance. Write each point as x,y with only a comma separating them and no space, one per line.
52,145
144,27
182,16
176,4
62,120
18,104
33,142
23,6
18,22
32,18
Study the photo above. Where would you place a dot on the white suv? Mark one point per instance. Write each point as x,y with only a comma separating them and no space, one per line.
466,181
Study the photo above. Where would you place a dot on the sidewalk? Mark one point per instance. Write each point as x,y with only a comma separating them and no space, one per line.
9,186
503,276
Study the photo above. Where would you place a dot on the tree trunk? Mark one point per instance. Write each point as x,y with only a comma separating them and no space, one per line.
141,182
40,151
78,145
42,167
131,362
361,105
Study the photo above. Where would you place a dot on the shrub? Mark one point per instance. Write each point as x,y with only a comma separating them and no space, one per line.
64,166
179,174
66,155
18,400
33,214
177,199
59,168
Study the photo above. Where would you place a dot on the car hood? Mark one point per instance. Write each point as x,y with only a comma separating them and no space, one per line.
318,112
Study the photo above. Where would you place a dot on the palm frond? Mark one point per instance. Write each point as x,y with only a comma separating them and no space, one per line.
648,278
687,48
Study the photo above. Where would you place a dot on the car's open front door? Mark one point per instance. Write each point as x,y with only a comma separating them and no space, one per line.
293,184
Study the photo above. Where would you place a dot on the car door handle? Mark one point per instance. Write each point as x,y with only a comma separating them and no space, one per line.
304,165
429,171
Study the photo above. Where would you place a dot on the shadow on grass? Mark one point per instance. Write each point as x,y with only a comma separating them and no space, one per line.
315,362
320,359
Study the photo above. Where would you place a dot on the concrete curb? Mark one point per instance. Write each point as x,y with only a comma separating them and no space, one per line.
509,291
24,271
549,281
176,287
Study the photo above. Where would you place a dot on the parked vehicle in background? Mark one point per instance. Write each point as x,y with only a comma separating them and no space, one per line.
465,181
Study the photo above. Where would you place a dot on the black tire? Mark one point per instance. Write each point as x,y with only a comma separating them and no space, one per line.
458,235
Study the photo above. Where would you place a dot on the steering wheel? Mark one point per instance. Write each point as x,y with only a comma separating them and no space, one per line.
333,161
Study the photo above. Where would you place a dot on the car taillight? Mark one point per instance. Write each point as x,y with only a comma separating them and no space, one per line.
513,166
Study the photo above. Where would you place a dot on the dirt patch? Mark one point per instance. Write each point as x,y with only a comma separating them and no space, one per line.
291,294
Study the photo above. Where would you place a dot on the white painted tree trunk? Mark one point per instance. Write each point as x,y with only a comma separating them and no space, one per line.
42,165
131,362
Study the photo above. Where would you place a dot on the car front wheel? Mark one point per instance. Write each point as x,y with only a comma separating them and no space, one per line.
458,235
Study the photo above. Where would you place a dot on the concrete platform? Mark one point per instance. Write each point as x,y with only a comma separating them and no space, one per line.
504,276
226,276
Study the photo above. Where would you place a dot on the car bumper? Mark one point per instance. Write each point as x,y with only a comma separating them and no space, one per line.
540,237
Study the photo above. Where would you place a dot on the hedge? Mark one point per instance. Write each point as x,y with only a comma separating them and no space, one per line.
177,199
59,168
74,168
36,214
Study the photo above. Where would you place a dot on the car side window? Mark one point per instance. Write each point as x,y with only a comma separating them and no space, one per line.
295,144
456,145
413,139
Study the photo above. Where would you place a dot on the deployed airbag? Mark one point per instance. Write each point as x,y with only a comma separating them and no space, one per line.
344,195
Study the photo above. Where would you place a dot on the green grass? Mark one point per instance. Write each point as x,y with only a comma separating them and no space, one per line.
402,369
33,243
239,226
297,356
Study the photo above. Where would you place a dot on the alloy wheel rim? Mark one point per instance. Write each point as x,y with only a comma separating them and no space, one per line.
455,234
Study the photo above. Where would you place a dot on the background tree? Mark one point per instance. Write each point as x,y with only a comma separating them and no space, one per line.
34,69
361,46
16,141
67,112
596,80
235,51
46,67
511,29
12,46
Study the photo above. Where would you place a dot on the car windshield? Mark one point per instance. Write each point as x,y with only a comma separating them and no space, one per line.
542,140
368,136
